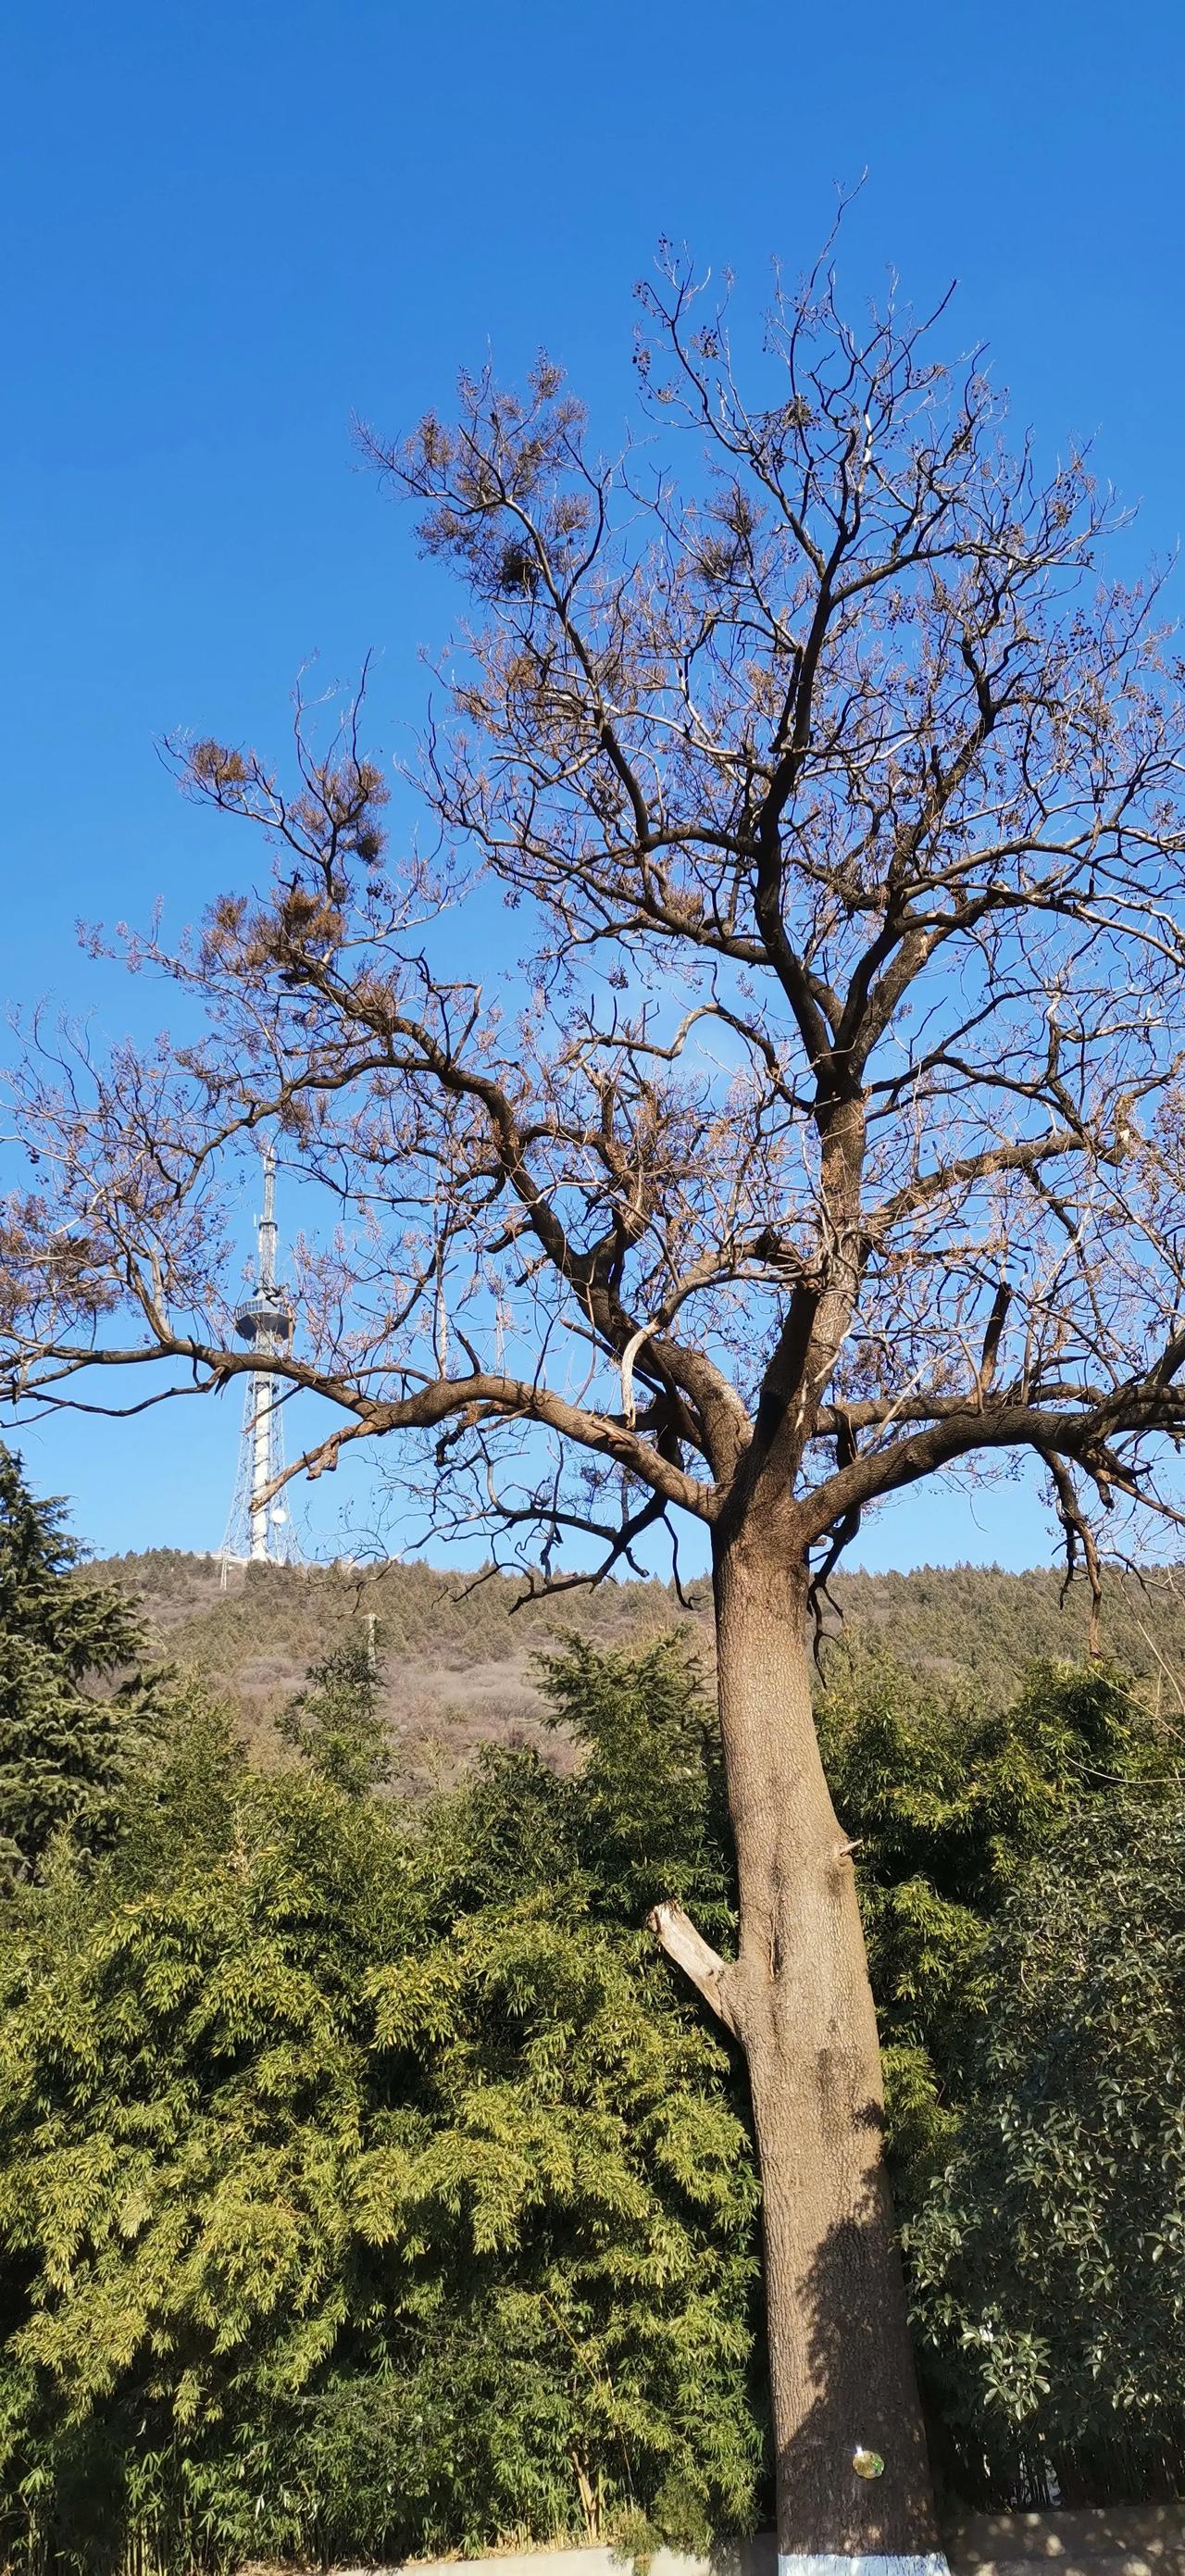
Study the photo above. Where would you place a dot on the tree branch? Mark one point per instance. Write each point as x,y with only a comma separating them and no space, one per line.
712,1976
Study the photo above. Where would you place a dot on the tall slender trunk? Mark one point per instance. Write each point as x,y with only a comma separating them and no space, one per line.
841,2368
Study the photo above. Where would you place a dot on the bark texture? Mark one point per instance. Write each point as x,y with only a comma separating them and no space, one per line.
841,2365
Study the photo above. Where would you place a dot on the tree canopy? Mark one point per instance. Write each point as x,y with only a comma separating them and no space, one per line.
838,1136
336,1721
70,1731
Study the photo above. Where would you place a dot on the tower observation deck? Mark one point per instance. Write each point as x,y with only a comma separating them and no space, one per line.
259,1530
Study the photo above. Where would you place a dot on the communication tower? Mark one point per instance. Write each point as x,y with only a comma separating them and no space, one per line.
259,1531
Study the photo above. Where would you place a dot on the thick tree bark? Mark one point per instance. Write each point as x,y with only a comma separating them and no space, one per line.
841,2367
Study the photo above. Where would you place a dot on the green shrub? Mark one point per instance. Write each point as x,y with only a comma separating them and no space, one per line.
358,2194
1049,2262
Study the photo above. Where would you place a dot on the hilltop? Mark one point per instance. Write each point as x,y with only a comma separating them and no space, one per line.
459,1655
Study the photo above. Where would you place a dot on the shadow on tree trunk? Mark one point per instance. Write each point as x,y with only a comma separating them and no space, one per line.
855,2478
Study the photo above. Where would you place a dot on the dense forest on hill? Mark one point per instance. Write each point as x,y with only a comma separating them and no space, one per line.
460,1656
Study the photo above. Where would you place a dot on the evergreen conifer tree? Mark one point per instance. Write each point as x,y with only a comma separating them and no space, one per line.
336,1721
66,1741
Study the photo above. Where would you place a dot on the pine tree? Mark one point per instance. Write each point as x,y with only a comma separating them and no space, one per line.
65,1744
336,1721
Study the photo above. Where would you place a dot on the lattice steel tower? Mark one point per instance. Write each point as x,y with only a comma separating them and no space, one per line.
259,1530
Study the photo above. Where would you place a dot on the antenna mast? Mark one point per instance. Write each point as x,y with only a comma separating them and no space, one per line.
259,1531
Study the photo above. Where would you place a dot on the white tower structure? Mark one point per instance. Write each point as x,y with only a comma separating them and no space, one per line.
259,1530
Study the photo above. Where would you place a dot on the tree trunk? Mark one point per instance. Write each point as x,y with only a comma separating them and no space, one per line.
841,2367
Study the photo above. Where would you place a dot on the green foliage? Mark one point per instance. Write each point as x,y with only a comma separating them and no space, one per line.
1008,1864
574,2171
337,1722
967,1631
65,1749
972,1629
370,2185
1049,2262
366,2189
647,1819
949,1806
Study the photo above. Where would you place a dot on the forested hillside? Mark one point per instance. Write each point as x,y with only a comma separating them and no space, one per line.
459,1657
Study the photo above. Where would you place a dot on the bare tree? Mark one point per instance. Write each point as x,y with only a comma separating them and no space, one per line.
832,1137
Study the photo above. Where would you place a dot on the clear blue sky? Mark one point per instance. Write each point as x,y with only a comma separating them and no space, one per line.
228,228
